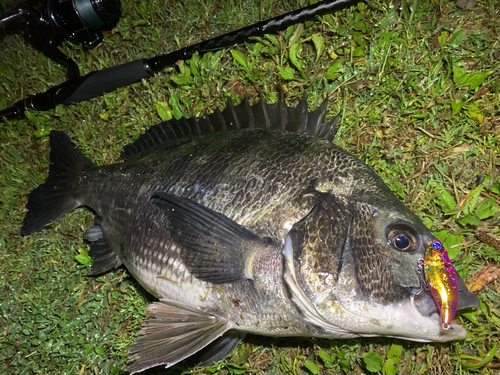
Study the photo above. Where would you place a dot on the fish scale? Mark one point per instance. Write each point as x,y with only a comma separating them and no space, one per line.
267,198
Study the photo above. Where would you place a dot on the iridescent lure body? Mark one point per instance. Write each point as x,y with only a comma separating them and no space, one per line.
442,281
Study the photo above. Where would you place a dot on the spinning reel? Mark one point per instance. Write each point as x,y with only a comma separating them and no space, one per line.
80,21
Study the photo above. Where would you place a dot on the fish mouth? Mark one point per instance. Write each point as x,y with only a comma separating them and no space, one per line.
426,306
437,333
415,318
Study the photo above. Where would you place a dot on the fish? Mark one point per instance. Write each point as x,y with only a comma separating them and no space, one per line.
250,220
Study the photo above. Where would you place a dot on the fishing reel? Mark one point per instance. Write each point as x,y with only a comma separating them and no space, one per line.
80,21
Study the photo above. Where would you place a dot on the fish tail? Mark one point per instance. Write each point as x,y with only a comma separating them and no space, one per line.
56,197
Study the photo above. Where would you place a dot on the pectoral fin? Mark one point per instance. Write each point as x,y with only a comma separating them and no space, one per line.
173,332
216,249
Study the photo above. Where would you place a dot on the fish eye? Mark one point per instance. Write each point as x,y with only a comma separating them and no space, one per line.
402,238
402,242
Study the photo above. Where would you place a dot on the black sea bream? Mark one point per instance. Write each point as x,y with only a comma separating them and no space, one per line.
249,220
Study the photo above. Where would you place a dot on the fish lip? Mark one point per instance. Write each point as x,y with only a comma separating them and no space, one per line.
404,321
455,331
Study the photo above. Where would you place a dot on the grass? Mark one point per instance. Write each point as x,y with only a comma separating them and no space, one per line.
418,86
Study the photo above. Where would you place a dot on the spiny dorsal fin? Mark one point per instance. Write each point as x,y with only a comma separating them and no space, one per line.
262,115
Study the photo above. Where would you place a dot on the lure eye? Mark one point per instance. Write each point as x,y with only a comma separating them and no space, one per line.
402,238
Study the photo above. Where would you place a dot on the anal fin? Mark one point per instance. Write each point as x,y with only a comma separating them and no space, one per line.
173,332
217,350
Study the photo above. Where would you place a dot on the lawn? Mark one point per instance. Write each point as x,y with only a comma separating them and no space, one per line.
417,83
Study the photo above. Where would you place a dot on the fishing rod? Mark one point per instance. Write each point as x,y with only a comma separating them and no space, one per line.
94,84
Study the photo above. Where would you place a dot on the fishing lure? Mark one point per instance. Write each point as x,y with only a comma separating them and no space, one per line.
442,281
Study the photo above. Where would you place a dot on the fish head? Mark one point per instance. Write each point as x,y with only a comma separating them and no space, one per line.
359,264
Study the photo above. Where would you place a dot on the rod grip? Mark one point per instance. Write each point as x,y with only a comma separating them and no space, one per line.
80,89
99,82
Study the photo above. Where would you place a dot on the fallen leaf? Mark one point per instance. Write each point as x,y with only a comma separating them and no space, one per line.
482,91
360,84
435,42
464,147
483,277
487,239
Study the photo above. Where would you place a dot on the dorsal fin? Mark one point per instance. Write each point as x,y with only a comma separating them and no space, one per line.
277,116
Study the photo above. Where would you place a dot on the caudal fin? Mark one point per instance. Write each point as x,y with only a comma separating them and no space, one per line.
55,198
